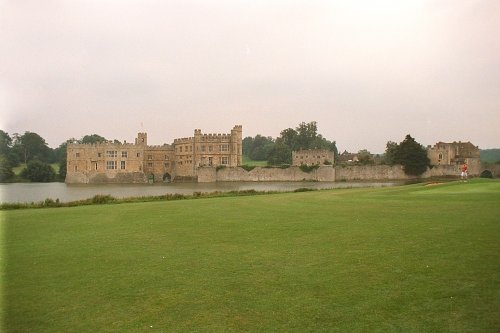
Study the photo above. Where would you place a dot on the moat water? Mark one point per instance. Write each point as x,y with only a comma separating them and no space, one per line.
35,192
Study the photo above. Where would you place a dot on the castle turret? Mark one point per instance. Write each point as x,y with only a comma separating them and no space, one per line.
142,139
236,146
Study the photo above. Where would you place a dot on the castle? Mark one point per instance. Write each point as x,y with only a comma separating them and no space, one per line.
455,153
110,162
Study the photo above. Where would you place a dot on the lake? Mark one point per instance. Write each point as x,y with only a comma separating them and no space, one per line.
35,192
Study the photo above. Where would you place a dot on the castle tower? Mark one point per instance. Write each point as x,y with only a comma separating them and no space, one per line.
142,139
236,146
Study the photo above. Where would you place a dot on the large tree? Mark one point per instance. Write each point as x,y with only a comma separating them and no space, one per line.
31,146
411,155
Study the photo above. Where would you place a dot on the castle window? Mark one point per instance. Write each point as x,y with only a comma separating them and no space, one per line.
210,148
224,147
111,153
122,165
224,160
167,165
180,149
150,157
202,148
99,154
138,154
124,154
440,156
150,164
111,165
77,154
166,157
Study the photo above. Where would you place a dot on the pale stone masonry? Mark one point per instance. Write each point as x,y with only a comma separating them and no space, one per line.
139,163
313,157
455,154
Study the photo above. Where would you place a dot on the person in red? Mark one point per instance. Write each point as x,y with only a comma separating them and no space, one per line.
464,171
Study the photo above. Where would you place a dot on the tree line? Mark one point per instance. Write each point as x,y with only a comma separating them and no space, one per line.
278,151
32,151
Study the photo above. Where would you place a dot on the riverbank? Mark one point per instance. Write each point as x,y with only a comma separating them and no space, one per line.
37,192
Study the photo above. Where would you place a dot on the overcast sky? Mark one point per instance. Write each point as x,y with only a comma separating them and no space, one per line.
367,71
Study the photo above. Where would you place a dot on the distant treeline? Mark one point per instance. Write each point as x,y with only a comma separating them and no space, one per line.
491,156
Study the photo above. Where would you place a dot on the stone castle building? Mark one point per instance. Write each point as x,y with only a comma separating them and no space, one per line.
313,157
110,162
455,153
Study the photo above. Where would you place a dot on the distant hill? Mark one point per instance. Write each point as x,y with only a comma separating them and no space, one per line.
490,155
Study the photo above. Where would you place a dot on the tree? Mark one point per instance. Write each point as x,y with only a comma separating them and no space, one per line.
92,138
258,148
38,171
306,134
280,154
412,156
365,157
6,172
391,149
32,146
5,143
61,158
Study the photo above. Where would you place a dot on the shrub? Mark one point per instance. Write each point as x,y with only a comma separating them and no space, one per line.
308,168
304,189
486,174
102,199
38,171
247,167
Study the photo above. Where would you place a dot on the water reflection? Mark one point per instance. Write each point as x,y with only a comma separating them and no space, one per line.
34,192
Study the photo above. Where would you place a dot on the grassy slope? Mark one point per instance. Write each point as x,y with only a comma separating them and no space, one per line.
407,259
250,162
17,170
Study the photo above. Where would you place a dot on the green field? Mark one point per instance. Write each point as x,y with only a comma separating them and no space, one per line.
414,258
250,162
18,169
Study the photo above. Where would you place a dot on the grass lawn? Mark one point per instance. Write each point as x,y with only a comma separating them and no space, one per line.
402,259
249,162
18,169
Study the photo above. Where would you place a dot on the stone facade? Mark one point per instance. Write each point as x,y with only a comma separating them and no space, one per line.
455,154
139,163
313,157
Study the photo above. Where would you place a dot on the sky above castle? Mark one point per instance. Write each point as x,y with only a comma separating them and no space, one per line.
368,71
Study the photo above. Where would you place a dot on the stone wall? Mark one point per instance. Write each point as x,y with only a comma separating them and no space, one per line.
370,172
106,178
259,174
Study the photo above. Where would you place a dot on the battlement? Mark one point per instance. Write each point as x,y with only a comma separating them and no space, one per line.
101,144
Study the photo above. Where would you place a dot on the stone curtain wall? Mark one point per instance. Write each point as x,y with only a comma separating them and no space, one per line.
328,173
106,178
258,174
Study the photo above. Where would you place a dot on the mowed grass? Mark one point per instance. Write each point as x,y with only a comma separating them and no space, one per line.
250,162
402,259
